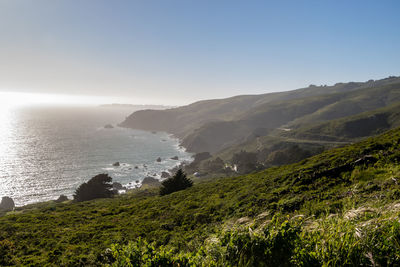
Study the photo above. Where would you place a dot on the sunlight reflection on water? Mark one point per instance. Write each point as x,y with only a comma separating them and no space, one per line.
48,151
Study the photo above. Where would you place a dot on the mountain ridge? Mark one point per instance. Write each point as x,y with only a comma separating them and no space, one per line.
213,125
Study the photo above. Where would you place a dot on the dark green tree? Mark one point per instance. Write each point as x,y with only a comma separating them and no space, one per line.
245,161
216,165
176,183
98,187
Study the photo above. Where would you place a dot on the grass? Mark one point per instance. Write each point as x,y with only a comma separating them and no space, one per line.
313,202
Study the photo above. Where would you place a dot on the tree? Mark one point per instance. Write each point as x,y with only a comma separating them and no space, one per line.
216,165
288,155
99,186
245,161
176,183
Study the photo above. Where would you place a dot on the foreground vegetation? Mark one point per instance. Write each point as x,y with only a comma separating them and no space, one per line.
372,240
335,209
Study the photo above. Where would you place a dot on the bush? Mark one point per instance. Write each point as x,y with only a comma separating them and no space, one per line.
176,183
7,251
273,247
245,161
98,187
141,253
216,165
283,242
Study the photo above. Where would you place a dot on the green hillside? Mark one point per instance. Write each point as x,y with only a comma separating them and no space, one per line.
352,127
337,208
314,137
214,125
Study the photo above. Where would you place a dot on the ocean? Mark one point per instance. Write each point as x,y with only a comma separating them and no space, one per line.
49,151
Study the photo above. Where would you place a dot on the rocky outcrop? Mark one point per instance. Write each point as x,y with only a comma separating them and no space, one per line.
118,186
116,164
7,204
158,159
175,158
165,175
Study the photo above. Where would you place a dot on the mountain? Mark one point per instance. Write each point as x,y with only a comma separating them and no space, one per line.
214,125
338,208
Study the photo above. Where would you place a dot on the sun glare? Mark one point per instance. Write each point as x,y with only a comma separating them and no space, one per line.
15,99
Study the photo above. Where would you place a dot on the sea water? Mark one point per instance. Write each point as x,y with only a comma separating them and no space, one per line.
49,151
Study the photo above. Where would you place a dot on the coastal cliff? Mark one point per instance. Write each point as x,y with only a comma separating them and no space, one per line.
214,125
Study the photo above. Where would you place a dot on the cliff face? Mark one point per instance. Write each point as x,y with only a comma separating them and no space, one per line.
213,125
152,120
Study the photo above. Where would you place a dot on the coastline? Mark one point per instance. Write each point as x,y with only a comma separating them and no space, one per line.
180,162
135,183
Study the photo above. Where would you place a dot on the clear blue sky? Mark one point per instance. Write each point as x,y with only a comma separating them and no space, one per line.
176,52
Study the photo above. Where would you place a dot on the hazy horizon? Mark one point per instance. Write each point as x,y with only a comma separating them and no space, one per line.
8,98
179,52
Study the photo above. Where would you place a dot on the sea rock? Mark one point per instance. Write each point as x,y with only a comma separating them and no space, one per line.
115,191
150,181
175,158
158,159
196,174
108,126
165,175
116,164
61,198
118,186
136,167
7,204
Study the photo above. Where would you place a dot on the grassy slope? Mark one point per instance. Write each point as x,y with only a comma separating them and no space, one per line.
328,183
324,134
364,124
215,124
292,113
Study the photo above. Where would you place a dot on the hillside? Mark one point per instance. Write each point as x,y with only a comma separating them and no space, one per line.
347,197
214,125
314,137
352,127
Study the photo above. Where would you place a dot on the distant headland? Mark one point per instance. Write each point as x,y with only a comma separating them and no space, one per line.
136,107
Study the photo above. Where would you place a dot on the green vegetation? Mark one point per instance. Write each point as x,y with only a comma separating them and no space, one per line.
176,183
353,127
281,128
245,161
339,208
214,125
98,187
284,241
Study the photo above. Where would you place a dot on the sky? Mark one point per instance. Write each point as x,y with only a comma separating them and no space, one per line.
176,52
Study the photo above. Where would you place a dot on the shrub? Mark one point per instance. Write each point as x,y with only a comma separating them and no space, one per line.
141,253
7,250
216,165
176,183
245,161
98,187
